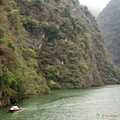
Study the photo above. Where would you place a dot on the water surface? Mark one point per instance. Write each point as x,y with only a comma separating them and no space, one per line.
99,103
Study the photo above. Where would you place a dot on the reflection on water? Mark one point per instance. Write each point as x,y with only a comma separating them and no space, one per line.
102,103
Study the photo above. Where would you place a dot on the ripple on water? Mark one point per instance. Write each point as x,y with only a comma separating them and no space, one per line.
72,105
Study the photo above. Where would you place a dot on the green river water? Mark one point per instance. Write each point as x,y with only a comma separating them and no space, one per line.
99,103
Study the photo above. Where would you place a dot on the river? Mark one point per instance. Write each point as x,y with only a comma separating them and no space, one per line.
99,103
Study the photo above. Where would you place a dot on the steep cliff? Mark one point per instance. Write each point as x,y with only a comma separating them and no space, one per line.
18,64
109,20
50,44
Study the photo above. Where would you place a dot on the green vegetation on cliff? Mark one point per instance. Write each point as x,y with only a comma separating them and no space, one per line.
50,44
18,77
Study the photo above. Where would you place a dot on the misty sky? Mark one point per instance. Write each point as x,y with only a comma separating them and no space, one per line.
95,6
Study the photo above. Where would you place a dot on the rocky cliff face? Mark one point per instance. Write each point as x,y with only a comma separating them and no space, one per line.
50,44
108,21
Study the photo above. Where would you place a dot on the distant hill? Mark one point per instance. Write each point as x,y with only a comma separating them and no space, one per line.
109,24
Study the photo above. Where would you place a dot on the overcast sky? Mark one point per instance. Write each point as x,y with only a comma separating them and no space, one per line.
95,6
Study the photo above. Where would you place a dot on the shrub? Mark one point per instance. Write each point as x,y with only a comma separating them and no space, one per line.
38,1
67,13
83,66
57,1
50,68
32,53
38,4
53,31
10,44
54,85
31,25
14,4
8,77
85,10
45,25
82,45
1,32
11,88
7,52
29,53
83,28
13,17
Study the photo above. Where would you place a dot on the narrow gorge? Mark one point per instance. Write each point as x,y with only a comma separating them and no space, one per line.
50,44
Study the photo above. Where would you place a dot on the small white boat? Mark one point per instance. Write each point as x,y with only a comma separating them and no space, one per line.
14,108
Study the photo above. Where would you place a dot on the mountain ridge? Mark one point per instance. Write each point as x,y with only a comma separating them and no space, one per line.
108,21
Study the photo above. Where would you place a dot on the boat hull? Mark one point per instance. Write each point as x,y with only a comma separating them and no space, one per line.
14,110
